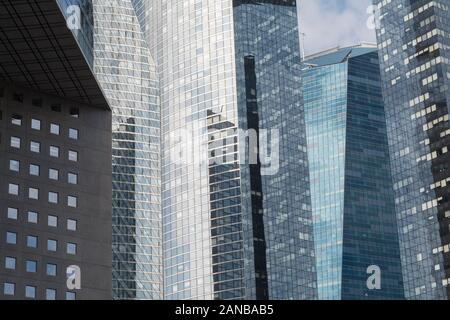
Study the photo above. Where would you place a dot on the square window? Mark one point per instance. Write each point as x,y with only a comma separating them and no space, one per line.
10,263
73,156
73,134
54,129
9,289
33,217
53,221
30,292
71,248
33,193
35,124
74,112
15,142
71,225
52,245
11,238
35,147
32,242
50,294
13,189
71,296
31,266
72,178
13,213
56,107
72,201
53,197
51,269
54,152
14,165
35,170
53,174
16,120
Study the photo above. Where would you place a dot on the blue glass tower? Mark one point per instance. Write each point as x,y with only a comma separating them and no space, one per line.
351,189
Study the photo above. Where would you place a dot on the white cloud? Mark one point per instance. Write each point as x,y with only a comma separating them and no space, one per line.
331,23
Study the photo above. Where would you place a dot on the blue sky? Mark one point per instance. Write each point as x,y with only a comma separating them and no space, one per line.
329,23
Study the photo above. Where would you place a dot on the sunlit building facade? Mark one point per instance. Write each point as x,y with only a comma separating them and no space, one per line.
413,41
231,230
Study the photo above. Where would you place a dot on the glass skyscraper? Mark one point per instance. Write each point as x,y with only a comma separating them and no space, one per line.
113,43
231,230
351,186
413,41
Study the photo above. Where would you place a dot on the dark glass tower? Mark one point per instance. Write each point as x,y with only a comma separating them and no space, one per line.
413,41
351,187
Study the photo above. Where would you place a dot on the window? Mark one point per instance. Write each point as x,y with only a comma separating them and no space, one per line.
53,174
33,217
53,221
11,237
74,112
73,134
50,294
71,248
15,142
34,170
9,289
14,165
13,189
72,201
73,156
18,97
56,107
32,242
30,292
71,225
37,103
33,193
35,147
51,269
31,266
10,263
52,245
13,213
72,178
71,296
54,129
35,124
16,120
54,152
53,197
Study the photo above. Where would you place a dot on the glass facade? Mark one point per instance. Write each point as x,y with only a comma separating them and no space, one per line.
230,231
124,67
413,41
351,187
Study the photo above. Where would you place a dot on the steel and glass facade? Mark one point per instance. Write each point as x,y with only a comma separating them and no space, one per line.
112,40
351,186
230,230
413,41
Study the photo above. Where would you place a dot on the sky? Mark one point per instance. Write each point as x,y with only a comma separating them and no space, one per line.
330,23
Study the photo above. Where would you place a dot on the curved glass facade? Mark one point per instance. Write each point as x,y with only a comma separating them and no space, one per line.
229,231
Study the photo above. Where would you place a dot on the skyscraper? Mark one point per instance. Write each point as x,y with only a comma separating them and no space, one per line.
231,229
112,40
55,151
413,41
351,187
